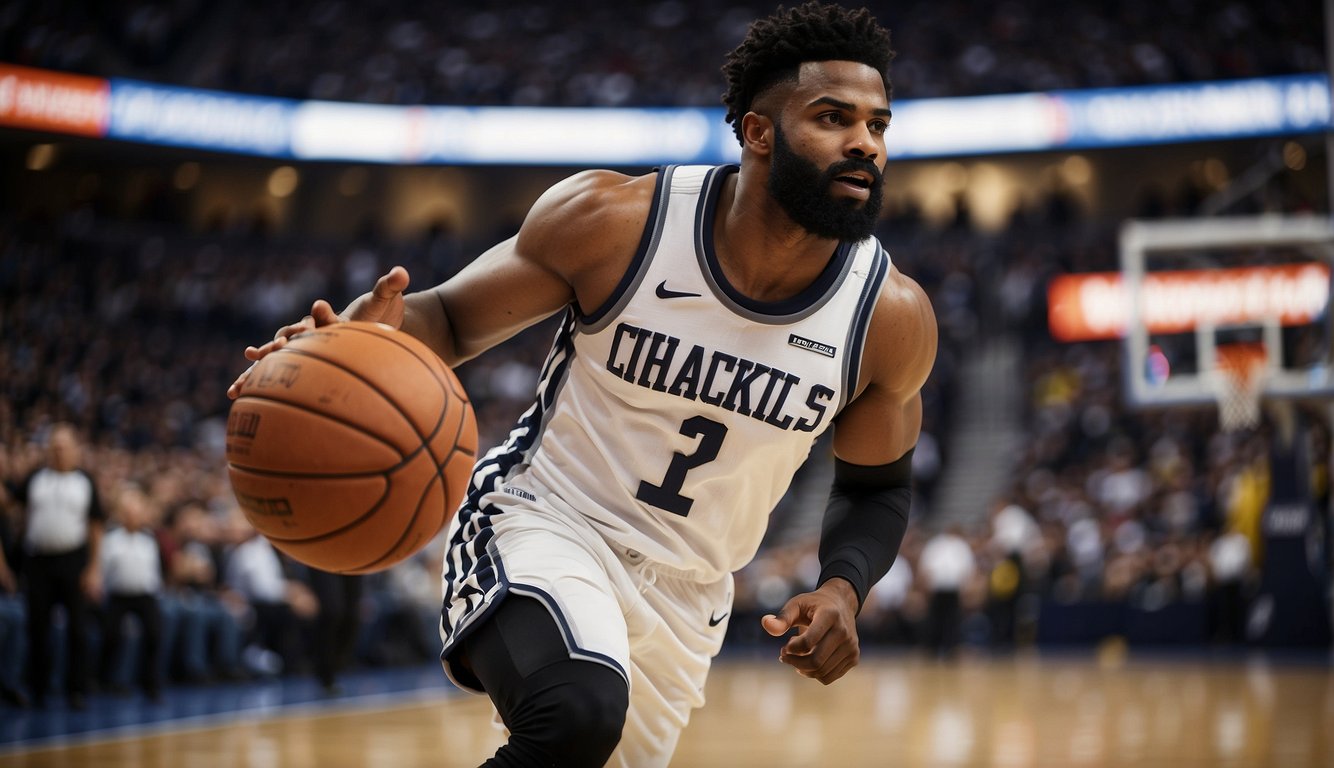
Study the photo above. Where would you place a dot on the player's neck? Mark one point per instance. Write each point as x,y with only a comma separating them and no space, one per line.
764,254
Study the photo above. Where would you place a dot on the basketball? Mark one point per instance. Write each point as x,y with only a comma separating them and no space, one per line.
350,448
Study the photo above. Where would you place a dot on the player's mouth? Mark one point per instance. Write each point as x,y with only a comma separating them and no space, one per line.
855,184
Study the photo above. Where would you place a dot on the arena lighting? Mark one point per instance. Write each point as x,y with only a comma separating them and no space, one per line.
421,135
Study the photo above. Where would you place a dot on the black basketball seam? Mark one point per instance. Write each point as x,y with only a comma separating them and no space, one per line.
385,474
337,420
416,512
318,537
447,388
383,395
446,392
440,381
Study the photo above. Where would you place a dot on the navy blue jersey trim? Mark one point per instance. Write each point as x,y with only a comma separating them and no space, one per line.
565,630
861,324
469,572
506,588
787,310
652,229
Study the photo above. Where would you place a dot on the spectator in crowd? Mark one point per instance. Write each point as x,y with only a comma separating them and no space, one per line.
278,605
892,613
12,618
947,563
1013,534
1230,569
131,567
62,540
207,634
405,620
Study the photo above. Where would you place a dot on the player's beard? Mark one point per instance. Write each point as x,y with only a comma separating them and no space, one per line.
803,191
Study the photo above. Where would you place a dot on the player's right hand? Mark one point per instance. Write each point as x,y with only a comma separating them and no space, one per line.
384,304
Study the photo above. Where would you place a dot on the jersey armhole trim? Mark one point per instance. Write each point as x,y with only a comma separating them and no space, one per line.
648,243
856,343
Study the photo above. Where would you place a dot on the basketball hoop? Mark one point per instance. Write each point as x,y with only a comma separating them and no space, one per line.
1238,383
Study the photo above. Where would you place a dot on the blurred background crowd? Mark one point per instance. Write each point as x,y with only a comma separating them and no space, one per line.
666,53
126,322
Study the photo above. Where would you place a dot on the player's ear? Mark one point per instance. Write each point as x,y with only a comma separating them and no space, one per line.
757,133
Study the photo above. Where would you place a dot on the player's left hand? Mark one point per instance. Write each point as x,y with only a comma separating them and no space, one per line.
825,645
384,304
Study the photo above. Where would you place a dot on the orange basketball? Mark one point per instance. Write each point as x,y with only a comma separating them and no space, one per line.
350,448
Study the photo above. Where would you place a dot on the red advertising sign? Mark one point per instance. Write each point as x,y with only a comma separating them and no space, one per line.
53,101
1096,305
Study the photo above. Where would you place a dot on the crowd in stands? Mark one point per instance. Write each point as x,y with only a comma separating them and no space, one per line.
1109,506
664,53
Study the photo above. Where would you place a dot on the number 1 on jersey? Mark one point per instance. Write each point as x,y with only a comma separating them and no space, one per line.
668,495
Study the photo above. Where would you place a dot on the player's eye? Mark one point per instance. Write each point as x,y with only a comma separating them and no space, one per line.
878,127
831,118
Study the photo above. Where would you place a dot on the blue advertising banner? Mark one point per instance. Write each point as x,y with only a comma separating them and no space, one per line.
1117,117
188,117
922,128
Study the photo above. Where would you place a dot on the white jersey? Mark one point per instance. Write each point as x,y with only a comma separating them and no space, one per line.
674,417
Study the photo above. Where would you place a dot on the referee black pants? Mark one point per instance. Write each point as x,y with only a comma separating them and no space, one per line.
145,608
54,580
337,623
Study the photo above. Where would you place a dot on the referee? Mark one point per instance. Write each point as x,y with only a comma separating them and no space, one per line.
64,521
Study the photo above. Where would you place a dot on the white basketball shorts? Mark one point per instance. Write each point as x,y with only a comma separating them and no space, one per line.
656,626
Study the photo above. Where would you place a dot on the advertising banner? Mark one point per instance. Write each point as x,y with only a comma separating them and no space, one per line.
53,101
1096,305
189,117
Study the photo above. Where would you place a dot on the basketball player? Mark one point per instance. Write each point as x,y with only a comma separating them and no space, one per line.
717,321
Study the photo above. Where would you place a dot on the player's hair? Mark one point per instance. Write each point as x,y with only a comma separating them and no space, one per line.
776,46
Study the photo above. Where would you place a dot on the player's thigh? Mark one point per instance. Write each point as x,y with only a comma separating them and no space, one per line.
567,571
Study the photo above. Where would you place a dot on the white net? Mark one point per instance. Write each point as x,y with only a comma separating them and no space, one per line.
1238,384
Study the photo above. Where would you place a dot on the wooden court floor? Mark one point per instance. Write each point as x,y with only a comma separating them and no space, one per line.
895,711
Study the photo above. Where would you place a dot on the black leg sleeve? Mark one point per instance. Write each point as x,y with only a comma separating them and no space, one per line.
560,712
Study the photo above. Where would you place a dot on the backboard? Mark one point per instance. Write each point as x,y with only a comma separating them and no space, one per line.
1200,291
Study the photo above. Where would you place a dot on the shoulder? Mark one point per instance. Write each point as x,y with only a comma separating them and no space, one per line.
587,229
590,208
901,345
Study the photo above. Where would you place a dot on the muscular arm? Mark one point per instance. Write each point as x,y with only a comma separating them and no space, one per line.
868,505
573,246
885,419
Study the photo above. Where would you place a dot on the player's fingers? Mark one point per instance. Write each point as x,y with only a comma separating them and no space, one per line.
840,669
776,626
256,354
235,389
288,331
390,285
823,662
807,641
395,280
322,313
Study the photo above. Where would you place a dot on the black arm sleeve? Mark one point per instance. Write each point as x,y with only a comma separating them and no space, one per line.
864,522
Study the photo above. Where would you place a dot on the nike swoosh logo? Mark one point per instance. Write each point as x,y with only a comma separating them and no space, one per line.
713,622
663,292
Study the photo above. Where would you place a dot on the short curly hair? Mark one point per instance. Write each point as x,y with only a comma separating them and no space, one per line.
776,46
